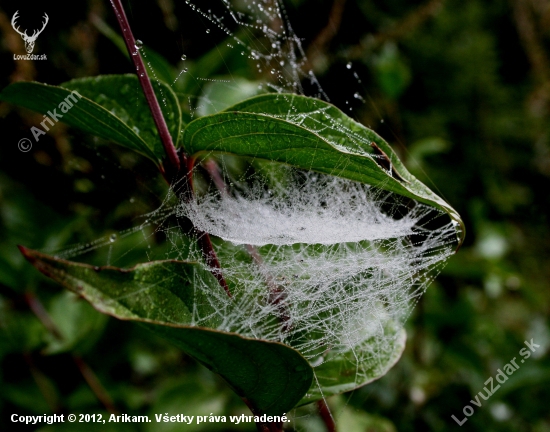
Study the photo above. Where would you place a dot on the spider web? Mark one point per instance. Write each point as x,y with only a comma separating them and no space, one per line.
331,249
326,265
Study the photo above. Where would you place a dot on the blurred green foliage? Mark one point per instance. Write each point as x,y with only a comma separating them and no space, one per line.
459,88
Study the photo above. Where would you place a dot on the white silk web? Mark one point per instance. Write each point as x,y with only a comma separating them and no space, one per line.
327,265
260,31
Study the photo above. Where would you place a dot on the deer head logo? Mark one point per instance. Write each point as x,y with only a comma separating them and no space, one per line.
29,40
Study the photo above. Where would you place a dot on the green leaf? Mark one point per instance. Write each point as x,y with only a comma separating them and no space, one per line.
340,372
85,115
391,72
111,107
78,323
309,134
196,394
21,331
336,370
162,295
219,95
123,97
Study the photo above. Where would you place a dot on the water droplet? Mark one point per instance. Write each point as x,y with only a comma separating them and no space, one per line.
382,121
132,200
358,96
349,65
142,74
183,57
273,71
139,44
207,30
185,69
112,238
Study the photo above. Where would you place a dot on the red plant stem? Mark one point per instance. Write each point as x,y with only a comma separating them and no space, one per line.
326,416
42,384
95,385
264,427
181,169
211,259
38,308
145,82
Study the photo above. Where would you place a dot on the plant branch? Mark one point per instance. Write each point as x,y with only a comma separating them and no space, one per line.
318,47
91,379
411,21
401,29
43,384
39,310
95,385
326,416
147,87
176,168
211,259
276,295
263,427
531,39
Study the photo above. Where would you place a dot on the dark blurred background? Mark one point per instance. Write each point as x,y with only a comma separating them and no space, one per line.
460,88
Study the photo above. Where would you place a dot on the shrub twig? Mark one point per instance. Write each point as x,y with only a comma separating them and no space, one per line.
147,87
173,168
